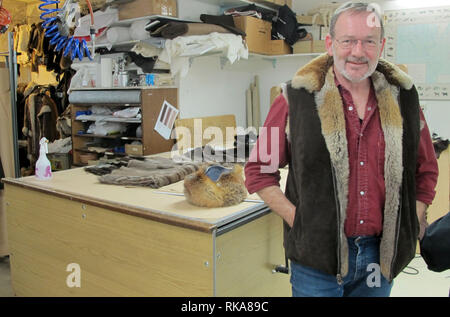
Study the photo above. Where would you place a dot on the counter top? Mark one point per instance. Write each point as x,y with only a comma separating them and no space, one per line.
166,204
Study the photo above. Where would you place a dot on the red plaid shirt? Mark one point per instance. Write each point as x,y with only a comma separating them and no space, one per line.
366,161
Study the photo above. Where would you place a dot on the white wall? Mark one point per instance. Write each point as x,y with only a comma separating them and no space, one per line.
437,113
209,90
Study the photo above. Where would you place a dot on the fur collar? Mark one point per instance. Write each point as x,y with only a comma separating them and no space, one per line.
312,75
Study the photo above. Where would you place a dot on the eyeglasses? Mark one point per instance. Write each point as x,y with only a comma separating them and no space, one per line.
351,43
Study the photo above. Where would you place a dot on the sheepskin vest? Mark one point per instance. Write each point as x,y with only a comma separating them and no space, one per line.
317,182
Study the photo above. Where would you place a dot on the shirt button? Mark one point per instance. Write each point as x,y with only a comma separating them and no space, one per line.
362,193
361,222
370,108
350,108
361,163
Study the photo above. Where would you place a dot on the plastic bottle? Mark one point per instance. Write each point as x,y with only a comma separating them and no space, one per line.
43,169
116,75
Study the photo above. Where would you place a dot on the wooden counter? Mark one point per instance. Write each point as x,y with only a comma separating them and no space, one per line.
135,241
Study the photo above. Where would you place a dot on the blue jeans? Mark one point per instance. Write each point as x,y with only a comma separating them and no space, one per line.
364,277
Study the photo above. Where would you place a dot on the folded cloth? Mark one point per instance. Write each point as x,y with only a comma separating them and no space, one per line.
137,30
171,30
231,44
118,34
153,172
158,22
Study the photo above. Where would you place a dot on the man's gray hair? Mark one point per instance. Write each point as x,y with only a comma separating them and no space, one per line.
358,7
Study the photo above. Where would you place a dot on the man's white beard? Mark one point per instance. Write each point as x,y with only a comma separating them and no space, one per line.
348,76
357,80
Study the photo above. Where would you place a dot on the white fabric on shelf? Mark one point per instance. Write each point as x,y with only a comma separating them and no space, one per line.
118,35
137,30
231,44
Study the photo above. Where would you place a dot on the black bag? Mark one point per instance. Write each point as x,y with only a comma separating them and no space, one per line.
285,26
435,245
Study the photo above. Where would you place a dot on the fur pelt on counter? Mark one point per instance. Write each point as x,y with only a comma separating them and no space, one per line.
228,190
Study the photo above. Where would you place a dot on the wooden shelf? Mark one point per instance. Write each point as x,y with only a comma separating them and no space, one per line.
131,138
112,119
150,105
88,135
88,151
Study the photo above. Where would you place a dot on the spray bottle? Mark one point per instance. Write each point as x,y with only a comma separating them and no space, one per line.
43,169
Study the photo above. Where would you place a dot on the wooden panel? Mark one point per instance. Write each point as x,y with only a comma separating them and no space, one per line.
119,255
214,125
152,101
4,250
245,259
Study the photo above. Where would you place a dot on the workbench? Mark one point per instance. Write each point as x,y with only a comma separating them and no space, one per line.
136,241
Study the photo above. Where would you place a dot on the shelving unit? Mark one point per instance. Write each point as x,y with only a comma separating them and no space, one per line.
152,100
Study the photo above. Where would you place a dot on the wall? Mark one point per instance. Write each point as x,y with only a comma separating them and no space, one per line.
436,111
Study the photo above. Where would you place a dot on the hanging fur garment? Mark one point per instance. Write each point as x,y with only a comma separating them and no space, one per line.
39,121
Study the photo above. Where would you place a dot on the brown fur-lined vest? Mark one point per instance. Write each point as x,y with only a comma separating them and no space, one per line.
317,183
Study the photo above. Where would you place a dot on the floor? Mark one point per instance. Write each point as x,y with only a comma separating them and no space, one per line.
420,282
5,278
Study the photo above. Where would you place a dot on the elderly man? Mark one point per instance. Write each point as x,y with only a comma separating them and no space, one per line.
362,168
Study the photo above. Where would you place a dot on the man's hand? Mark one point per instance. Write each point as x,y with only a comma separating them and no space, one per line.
421,209
277,201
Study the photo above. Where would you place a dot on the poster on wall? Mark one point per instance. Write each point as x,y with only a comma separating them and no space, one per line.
420,39
166,119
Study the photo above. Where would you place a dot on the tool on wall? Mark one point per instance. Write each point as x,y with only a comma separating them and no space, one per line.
5,18
58,24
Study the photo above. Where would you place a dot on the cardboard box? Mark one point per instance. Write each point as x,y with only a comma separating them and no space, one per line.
308,19
258,33
59,161
318,46
279,47
142,8
302,47
309,46
133,149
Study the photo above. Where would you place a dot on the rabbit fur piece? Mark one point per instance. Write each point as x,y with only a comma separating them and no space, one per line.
228,190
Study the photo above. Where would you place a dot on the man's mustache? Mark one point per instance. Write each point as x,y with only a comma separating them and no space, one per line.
357,60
